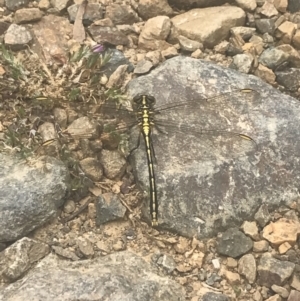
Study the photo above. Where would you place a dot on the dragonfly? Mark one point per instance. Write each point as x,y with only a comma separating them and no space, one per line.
182,119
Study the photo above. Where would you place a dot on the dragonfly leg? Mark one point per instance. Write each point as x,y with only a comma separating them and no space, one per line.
136,147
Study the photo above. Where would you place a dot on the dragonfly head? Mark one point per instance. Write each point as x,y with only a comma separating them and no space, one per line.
142,100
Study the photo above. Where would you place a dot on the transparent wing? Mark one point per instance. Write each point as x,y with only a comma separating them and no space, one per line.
124,115
202,142
240,99
217,127
71,134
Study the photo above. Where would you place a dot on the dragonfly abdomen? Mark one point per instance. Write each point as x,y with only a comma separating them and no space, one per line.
145,120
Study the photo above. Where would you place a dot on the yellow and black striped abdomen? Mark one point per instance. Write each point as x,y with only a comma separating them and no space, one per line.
144,114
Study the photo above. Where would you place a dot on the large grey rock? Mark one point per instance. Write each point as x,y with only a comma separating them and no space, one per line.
202,188
118,277
31,192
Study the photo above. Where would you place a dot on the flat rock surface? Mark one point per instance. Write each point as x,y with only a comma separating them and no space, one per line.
118,277
204,187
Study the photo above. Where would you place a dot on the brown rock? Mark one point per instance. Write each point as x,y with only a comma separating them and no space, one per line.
281,5
196,24
151,8
248,5
121,14
116,79
294,56
247,267
257,296
286,31
26,15
250,229
269,10
92,168
231,262
282,291
260,246
183,268
197,54
257,42
196,260
44,4
295,282
183,245
284,248
169,52
154,33
233,278
222,47
294,296
114,164
274,298
282,231
2,72
154,57
265,74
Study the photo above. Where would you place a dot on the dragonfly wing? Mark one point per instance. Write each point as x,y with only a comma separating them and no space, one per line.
205,144
111,111
240,99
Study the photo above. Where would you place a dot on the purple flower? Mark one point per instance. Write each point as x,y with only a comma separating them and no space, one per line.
98,48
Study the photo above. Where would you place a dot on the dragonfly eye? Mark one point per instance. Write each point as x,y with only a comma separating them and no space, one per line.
150,99
138,99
